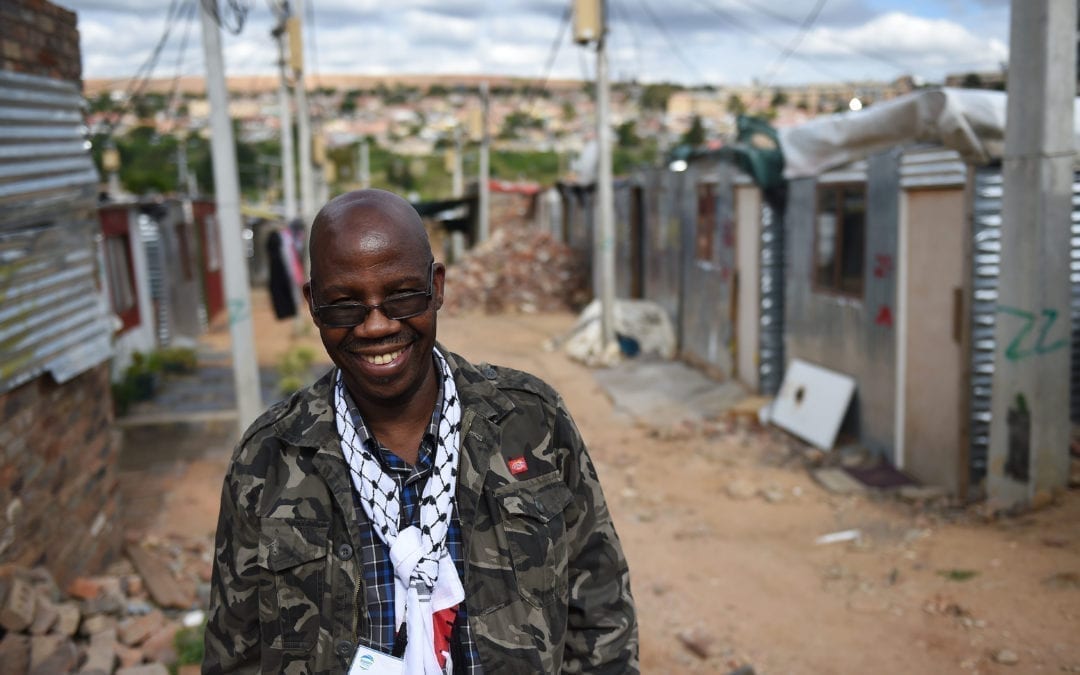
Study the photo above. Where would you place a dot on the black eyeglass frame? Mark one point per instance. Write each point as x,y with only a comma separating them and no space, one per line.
317,310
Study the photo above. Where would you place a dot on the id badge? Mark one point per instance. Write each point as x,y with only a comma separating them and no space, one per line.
368,661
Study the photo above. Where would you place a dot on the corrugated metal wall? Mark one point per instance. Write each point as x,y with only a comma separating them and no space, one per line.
986,268
707,327
771,317
854,335
53,315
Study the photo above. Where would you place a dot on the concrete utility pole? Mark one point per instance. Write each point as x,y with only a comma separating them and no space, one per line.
1030,428
590,25
484,206
459,173
303,117
364,164
227,196
288,162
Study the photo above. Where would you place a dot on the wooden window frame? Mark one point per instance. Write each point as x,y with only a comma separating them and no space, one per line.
837,209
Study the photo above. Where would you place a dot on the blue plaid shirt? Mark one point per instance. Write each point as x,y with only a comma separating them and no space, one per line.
378,571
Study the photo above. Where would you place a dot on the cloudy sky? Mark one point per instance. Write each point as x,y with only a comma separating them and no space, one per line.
773,42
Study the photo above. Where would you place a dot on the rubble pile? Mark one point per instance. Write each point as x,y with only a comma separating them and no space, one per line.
517,270
131,621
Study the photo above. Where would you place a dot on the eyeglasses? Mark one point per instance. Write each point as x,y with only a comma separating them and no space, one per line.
396,308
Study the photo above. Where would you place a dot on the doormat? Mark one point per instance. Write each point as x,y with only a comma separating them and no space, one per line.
881,475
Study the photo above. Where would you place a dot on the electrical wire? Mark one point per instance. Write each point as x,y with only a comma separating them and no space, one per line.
731,19
238,9
763,10
795,42
189,9
667,36
542,83
625,20
141,78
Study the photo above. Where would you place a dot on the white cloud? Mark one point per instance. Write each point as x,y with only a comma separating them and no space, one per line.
685,42
913,41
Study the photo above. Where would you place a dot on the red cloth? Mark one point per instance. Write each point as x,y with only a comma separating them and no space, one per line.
443,624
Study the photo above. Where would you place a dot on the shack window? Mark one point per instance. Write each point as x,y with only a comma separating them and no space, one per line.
121,279
706,221
839,238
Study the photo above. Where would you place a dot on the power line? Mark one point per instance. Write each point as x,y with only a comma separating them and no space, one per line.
667,36
626,20
237,9
803,29
142,76
189,10
730,18
761,9
552,54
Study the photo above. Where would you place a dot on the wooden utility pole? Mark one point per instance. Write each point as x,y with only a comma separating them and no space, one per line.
1030,427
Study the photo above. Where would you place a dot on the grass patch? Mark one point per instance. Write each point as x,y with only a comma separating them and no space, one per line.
958,574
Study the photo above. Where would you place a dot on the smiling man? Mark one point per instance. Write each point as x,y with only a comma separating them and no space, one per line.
411,512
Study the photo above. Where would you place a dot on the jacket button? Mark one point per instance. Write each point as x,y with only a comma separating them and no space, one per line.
344,649
345,551
540,507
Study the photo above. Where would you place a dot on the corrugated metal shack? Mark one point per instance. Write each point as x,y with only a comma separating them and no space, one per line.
893,220
705,242
164,272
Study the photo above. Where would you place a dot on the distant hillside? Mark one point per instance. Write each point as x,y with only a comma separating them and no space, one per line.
254,84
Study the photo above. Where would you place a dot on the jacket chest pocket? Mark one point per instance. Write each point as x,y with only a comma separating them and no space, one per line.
535,528
291,592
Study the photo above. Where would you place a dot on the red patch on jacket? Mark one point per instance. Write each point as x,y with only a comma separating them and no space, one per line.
518,465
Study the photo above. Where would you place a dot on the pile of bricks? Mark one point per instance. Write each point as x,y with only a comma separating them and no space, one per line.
123,623
517,270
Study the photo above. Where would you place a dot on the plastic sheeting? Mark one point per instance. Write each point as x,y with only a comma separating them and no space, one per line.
971,122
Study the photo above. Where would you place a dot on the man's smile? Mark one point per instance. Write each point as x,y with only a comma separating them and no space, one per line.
382,359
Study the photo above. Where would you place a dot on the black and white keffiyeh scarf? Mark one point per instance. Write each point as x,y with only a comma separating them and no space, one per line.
425,576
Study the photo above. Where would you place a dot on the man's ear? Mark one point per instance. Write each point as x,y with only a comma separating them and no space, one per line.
307,297
438,281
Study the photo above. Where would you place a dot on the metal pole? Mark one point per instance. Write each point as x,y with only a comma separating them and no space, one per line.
604,248
365,164
288,162
1029,426
459,176
303,116
227,196
181,162
484,216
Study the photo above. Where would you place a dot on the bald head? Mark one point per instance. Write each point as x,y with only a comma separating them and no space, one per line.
375,215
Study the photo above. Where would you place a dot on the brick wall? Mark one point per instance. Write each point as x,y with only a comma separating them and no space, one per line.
58,476
58,450
39,38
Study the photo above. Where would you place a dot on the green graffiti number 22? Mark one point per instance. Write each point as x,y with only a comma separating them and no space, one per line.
1014,352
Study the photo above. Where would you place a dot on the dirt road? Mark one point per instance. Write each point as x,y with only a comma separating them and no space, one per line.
720,532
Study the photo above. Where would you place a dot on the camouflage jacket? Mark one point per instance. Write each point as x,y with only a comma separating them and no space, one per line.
546,582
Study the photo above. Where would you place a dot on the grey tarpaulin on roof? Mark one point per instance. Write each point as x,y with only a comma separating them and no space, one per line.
971,122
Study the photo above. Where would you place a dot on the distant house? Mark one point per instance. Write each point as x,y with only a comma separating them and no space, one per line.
57,466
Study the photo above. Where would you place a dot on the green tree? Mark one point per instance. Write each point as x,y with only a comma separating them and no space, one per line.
627,134
695,135
735,105
655,96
